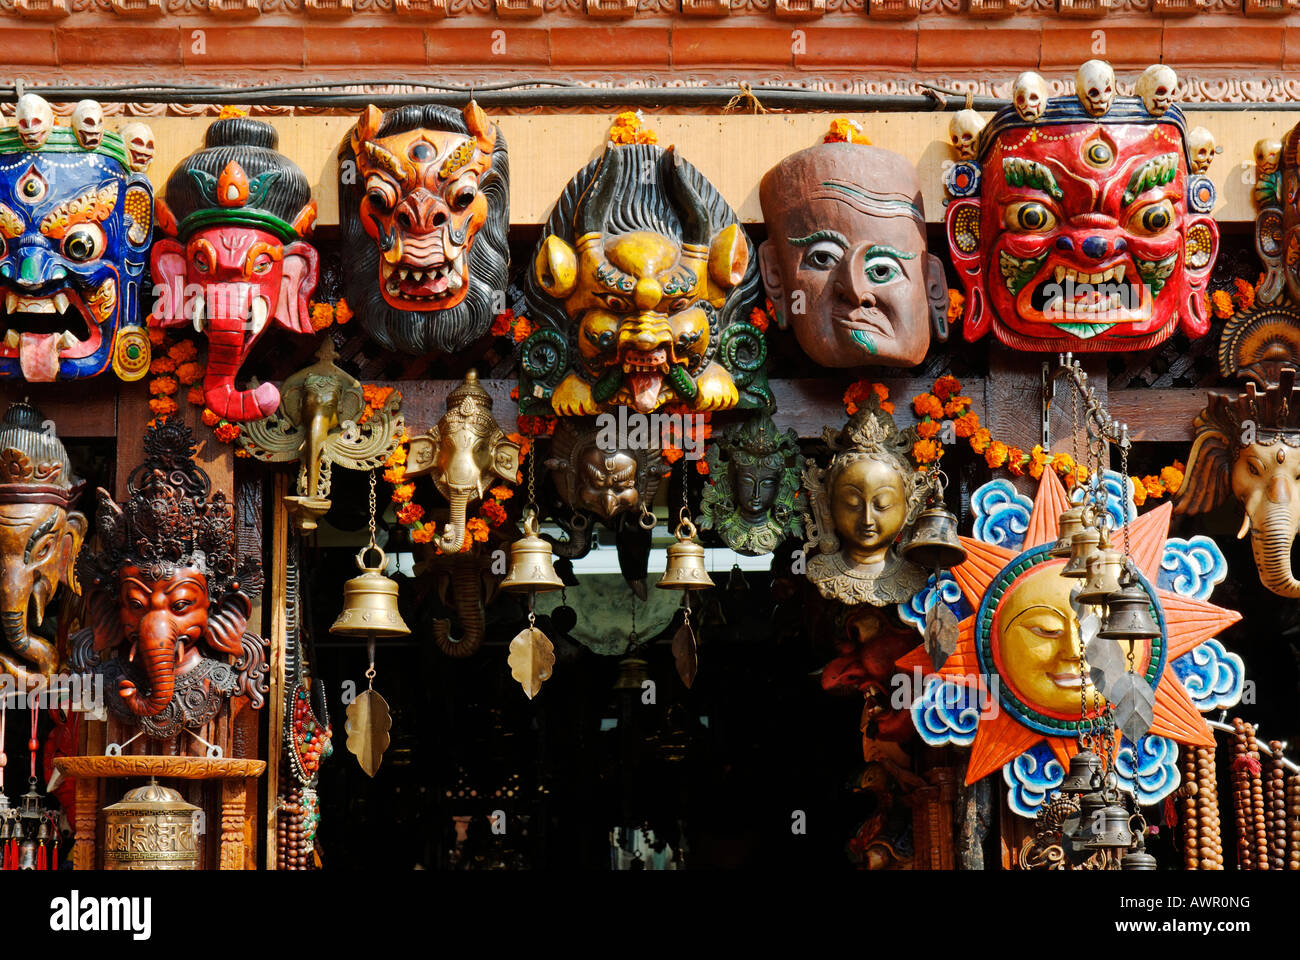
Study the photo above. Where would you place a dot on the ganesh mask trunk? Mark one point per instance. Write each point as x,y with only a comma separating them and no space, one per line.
155,650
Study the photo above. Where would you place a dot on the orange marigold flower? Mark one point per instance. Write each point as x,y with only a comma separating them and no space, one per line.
759,318
1155,489
956,304
1038,461
398,457
1222,304
1016,461
403,492
854,396
1172,478
702,467
209,418
672,454
501,324
228,112
241,452
881,391
514,393
1063,464
163,406
955,406
189,373
928,429
501,493
1139,491
342,312
195,396
947,386
183,350
161,365
980,439
521,330
493,512
394,475
163,386
408,513
157,336
423,534
966,426
477,528
926,451
321,314
927,405
996,454
226,431
1245,295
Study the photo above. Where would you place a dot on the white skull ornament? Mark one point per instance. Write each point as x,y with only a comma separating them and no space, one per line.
1267,153
88,124
1200,142
1029,94
35,120
964,131
1156,88
139,145
1094,85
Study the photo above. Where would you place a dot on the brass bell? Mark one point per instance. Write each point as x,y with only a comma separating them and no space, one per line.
935,544
531,566
1083,546
685,567
1071,523
632,673
370,603
1128,615
1113,834
1138,859
1084,775
1104,569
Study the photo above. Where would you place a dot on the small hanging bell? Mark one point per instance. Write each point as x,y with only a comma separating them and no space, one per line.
1114,833
1084,775
934,544
531,563
1104,569
1138,859
685,567
1071,522
370,603
1128,615
1091,805
1083,547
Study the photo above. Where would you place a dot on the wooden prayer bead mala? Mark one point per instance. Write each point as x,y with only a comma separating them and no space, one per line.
1210,848
1258,823
1293,821
1275,810
1187,806
1241,796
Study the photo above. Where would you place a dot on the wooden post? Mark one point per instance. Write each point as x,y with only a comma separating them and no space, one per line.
234,793
280,533
83,849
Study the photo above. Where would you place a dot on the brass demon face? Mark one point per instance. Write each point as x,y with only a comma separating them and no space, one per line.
422,206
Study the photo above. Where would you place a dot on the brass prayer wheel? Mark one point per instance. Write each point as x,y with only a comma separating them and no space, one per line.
150,828
935,544
685,567
370,603
531,563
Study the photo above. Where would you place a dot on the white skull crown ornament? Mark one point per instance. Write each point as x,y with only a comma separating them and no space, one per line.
35,120
139,145
1201,144
1156,87
1029,94
88,124
964,131
1094,85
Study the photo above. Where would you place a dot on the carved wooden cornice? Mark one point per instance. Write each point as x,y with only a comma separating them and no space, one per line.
180,768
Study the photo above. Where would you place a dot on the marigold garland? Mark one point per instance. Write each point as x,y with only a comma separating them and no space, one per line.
844,130
324,315
629,127
944,401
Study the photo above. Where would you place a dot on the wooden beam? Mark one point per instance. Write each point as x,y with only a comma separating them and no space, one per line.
732,151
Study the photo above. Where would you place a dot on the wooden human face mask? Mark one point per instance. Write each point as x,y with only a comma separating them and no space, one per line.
845,261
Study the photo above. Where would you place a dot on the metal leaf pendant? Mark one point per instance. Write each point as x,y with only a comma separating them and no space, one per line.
940,633
1134,703
1106,664
531,658
686,654
367,728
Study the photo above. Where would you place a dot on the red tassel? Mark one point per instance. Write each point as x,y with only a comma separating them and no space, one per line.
42,862
11,855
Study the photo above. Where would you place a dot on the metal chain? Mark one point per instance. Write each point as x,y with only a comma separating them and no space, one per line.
373,544
532,481
1074,437
1123,470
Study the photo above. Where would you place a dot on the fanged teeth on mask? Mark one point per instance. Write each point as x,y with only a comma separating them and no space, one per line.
1115,274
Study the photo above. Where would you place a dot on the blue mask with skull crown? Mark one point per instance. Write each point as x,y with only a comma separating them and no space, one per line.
76,221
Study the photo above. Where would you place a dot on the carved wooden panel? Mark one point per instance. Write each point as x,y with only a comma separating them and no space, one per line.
328,8
41,9
1083,8
893,9
706,8
519,9
235,9
611,9
420,8
138,8
1177,8
798,9
1267,8
993,8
